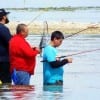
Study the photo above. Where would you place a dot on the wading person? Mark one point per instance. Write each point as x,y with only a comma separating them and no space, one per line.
22,56
5,36
52,66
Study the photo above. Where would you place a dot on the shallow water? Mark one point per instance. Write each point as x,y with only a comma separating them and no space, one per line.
81,78
89,15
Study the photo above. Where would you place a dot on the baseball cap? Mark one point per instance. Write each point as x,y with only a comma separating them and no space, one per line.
3,12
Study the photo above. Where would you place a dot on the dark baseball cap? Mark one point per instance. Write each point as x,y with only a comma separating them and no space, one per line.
3,12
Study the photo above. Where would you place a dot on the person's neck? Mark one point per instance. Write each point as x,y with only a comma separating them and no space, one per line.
21,35
2,22
52,44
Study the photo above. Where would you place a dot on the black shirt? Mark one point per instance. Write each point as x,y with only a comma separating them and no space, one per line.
5,36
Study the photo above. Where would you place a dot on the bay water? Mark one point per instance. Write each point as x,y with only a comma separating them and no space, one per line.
81,78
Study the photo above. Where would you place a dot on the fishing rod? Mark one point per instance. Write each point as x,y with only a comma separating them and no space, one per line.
93,26
74,54
34,18
82,52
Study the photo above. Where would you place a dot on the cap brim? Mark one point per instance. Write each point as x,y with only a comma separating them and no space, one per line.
7,13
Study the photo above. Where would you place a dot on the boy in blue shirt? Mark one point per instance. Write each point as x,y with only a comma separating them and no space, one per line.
53,67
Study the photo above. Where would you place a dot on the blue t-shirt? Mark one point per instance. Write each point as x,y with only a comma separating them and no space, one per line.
51,75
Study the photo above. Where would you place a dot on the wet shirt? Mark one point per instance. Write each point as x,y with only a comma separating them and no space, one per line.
51,75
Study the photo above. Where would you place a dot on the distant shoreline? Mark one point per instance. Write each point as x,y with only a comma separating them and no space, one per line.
37,27
69,8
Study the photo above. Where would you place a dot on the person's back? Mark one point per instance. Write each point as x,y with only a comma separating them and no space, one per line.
22,57
5,36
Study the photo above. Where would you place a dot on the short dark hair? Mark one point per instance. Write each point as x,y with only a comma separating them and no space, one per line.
57,35
1,18
20,28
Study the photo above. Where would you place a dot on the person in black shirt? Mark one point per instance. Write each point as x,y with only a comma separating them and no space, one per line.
5,36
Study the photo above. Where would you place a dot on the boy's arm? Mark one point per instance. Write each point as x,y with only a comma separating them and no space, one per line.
58,63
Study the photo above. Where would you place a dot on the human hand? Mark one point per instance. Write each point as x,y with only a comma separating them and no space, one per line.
38,49
69,60
57,58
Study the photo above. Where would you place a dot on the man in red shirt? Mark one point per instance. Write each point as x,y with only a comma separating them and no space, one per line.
22,56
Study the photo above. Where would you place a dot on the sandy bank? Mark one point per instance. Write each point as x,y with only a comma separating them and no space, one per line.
66,27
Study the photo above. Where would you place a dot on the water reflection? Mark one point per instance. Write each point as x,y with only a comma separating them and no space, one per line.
53,88
81,78
15,92
54,92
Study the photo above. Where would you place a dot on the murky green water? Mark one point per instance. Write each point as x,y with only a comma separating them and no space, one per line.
81,78
90,15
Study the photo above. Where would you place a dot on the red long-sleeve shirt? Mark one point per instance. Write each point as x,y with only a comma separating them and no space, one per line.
22,56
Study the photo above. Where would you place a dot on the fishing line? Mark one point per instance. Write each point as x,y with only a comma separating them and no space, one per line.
35,18
82,52
89,27
74,54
